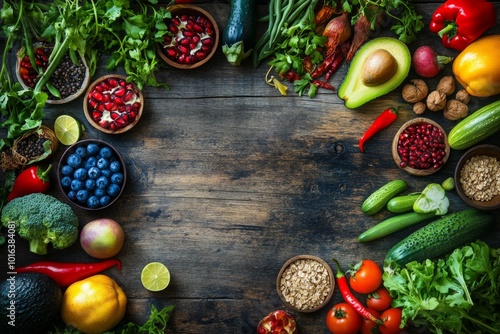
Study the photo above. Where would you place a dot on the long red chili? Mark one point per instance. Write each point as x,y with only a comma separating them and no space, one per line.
386,118
31,180
349,297
67,273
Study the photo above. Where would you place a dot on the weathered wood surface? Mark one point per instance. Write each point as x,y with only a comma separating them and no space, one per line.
227,180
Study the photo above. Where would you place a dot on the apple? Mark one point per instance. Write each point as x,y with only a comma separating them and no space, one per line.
102,238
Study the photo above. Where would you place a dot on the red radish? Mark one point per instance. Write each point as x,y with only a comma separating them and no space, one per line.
427,63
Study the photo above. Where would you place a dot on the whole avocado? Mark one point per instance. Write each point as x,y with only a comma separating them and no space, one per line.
29,303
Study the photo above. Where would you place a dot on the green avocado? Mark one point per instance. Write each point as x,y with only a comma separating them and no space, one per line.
356,91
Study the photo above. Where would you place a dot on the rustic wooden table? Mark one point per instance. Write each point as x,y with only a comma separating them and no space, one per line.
227,180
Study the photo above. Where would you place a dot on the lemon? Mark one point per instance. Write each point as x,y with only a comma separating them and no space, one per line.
155,276
67,129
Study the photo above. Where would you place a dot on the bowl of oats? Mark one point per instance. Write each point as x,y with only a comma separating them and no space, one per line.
305,283
477,177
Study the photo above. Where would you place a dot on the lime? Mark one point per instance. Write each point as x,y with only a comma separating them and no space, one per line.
67,129
155,276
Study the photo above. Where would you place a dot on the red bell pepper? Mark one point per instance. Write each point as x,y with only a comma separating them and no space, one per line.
31,180
460,22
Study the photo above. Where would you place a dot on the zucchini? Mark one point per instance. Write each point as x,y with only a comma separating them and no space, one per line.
479,125
400,204
238,38
379,198
441,236
393,224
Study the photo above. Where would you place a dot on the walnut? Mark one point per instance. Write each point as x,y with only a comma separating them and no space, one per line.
436,101
462,96
446,85
415,91
455,110
419,108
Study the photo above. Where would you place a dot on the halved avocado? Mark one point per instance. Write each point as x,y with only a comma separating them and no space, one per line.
354,92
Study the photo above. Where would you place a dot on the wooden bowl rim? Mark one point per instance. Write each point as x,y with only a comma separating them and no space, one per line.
96,125
413,171
305,257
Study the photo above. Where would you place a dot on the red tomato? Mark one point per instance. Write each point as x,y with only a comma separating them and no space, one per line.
343,319
366,277
391,319
367,326
379,299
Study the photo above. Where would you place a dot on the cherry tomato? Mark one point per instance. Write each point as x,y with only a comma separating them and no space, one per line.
368,326
366,277
379,299
343,319
391,319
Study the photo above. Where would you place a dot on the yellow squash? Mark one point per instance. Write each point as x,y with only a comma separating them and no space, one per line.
94,305
476,67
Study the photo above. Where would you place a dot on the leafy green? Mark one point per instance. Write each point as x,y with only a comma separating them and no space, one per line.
459,293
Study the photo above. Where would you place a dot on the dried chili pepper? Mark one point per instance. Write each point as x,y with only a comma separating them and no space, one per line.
322,84
350,298
335,65
67,273
386,118
31,180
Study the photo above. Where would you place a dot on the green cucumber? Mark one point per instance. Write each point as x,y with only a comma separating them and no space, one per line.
441,236
400,204
393,224
479,125
379,198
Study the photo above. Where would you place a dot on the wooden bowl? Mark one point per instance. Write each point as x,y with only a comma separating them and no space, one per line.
479,150
417,171
176,10
118,119
290,285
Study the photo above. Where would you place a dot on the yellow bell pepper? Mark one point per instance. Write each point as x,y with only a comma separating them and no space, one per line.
476,67
93,305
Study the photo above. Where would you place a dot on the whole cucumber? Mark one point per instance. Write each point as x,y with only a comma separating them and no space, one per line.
403,203
379,198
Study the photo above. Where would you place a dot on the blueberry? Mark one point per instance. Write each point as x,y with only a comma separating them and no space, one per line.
100,192
90,184
102,182
113,190
105,200
106,173
67,170
93,202
90,162
66,182
74,160
80,174
92,149
82,195
105,152
81,151
117,178
94,172
72,195
102,163
76,185
115,166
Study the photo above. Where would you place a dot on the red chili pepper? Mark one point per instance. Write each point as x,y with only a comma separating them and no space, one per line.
67,273
350,298
31,180
460,22
386,118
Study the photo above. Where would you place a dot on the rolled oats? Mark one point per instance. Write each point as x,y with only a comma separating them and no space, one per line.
480,178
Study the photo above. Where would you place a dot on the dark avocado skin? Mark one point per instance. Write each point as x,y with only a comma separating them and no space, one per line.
37,300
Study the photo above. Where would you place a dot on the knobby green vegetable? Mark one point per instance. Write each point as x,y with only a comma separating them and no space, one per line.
458,293
432,199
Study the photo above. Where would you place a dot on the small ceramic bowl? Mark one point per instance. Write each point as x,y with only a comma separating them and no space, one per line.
403,163
112,105
194,48
468,189
23,65
91,174
305,283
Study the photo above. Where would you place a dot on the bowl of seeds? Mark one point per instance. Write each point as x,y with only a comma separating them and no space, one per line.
477,177
305,283
68,82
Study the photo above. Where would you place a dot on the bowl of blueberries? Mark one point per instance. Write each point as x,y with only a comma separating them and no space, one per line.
91,174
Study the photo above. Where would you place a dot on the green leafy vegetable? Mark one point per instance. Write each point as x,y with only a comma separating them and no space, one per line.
432,199
459,293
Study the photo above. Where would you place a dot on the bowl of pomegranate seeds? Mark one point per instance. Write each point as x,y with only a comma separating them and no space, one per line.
113,105
420,147
192,39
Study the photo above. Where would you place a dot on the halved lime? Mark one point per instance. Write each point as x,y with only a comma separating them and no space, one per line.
67,130
155,276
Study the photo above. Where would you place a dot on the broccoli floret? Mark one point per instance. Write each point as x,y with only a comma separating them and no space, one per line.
42,219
